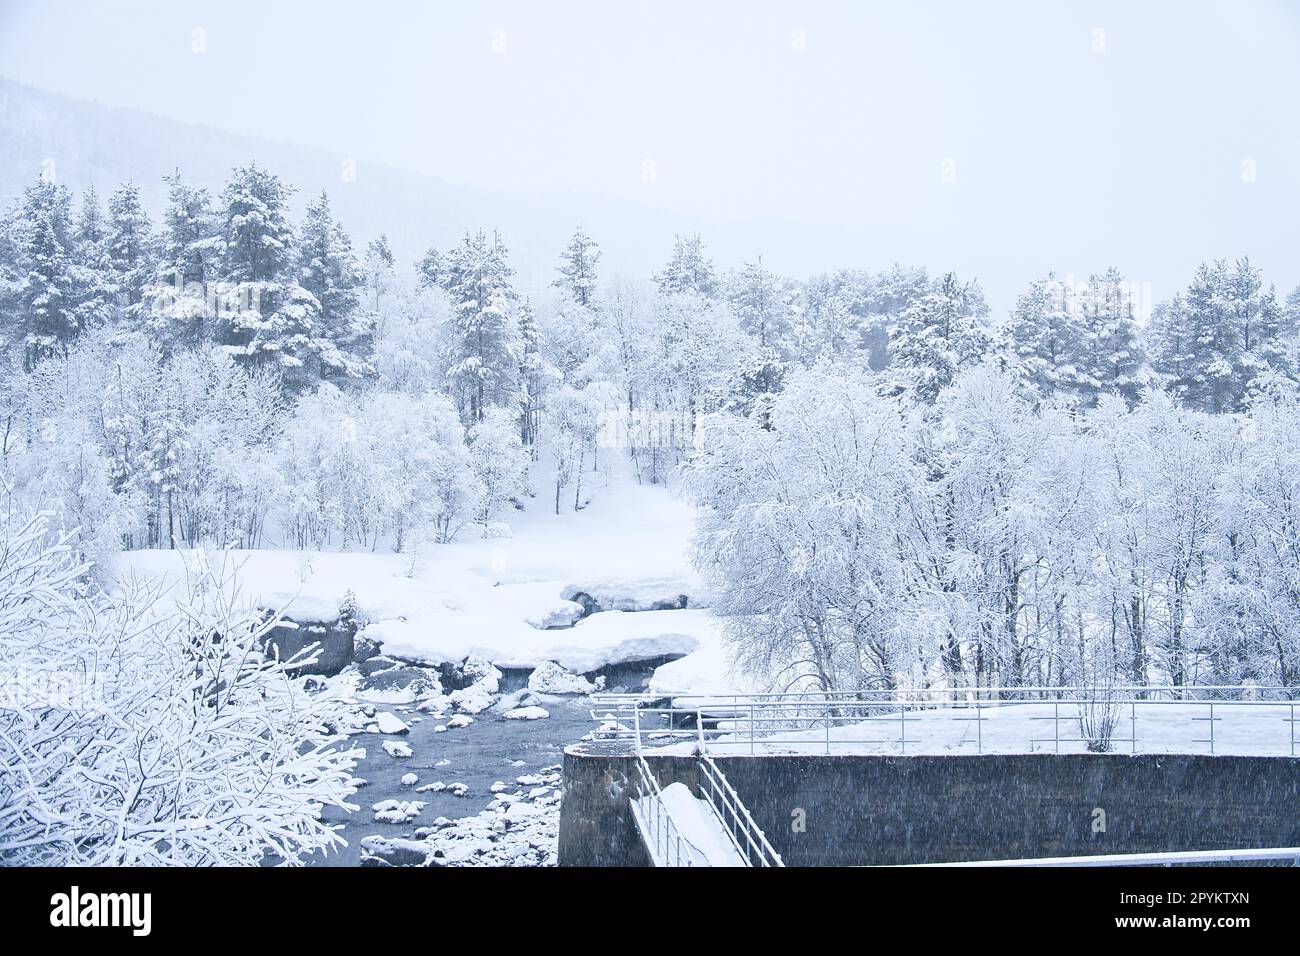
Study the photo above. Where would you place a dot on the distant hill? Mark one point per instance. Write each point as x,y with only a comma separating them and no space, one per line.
93,143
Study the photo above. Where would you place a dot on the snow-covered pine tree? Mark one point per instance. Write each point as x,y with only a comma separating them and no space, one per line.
689,270
1042,339
577,268
1236,340
379,269
95,273
939,335
45,318
130,249
266,318
329,270
180,307
1266,329
531,375
486,346
766,311
1110,354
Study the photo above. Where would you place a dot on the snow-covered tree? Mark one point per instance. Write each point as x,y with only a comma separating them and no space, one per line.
689,270
46,317
577,268
139,731
500,463
265,317
330,272
486,348
1044,339
939,335
1226,340
180,307
129,244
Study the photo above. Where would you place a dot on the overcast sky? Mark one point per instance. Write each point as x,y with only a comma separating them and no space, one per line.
1006,135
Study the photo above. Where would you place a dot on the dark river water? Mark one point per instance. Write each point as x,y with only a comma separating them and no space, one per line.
489,750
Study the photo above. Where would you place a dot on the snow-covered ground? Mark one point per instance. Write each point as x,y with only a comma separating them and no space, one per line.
505,599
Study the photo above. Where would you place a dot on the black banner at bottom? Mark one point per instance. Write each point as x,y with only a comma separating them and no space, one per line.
340,905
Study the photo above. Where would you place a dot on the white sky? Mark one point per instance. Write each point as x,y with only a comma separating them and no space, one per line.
1065,157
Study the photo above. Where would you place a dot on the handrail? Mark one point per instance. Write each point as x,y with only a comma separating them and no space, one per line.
659,831
735,816
1105,721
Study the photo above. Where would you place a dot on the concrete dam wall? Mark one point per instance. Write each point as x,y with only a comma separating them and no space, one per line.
871,810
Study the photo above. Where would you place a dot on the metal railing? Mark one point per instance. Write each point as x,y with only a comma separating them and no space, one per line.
1237,719
662,839
746,835
1179,858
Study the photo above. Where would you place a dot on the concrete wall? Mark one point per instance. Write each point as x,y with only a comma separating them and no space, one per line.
923,809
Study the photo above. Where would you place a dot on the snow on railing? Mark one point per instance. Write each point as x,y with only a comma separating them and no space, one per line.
1246,719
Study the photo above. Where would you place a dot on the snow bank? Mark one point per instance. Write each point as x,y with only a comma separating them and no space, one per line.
505,599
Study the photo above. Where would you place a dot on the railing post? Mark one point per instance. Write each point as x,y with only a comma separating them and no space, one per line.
1133,725
1211,726
751,727
699,726
636,723
979,726
902,727
1056,722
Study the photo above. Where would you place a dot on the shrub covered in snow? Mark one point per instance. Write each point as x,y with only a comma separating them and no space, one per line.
179,743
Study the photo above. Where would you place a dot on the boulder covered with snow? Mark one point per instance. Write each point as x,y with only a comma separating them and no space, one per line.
398,749
397,811
560,615
327,644
390,724
382,851
483,682
527,713
550,678
656,594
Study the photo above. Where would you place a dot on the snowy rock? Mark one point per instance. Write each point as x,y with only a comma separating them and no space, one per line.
561,615
390,724
398,749
397,811
462,720
417,681
551,678
618,595
381,851
409,779
393,695
527,713
484,682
